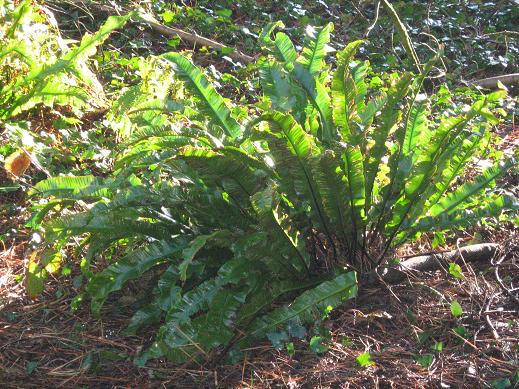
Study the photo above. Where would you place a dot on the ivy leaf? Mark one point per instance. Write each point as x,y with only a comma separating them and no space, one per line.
456,309
461,331
455,271
437,347
424,360
317,346
168,16
30,366
277,339
291,349
364,359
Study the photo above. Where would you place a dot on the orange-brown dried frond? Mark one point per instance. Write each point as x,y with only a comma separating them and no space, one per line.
17,163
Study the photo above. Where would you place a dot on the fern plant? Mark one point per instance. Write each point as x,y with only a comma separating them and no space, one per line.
38,66
248,229
41,69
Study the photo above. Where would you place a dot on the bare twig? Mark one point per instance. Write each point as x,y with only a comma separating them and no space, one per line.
508,291
374,21
487,316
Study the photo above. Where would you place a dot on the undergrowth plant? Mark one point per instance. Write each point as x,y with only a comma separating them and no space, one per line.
40,71
38,66
237,230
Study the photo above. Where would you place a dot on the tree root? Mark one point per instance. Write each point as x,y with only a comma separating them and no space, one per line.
430,262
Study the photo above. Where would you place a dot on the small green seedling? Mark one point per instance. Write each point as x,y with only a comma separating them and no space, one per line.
455,271
456,309
317,346
364,359
425,360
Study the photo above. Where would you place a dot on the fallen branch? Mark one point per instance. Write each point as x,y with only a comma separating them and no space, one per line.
430,262
199,40
170,32
491,82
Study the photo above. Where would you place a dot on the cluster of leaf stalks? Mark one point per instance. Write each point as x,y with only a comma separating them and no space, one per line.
245,221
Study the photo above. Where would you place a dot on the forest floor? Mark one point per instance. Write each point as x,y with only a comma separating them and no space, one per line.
412,337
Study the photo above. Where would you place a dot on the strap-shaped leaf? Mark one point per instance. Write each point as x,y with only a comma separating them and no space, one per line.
285,48
355,184
286,242
305,71
486,207
449,169
464,192
282,47
285,95
211,102
388,117
315,48
345,87
189,253
416,131
71,187
318,96
309,305
149,314
129,267
292,148
331,181
203,317
266,32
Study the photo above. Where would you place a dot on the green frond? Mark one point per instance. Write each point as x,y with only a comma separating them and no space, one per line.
487,207
72,187
309,305
291,149
285,95
315,48
267,292
416,133
286,242
282,47
344,87
332,185
464,192
150,146
211,102
449,169
318,96
388,120
189,253
131,266
147,315
355,184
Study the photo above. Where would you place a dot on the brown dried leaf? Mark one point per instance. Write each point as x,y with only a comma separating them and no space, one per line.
17,163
